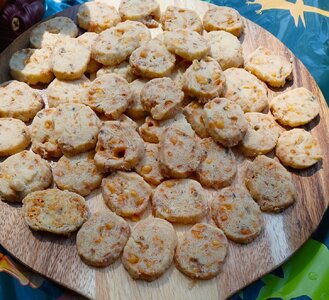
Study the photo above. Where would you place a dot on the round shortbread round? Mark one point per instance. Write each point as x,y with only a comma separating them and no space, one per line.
77,173
270,184
237,214
14,136
180,201
218,168
225,121
136,110
298,149
123,69
126,194
295,107
55,211
194,115
150,249
201,251
102,238
23,173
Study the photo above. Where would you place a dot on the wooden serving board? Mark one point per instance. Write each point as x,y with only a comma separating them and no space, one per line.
56,257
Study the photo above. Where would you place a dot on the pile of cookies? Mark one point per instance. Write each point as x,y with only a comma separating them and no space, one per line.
157,120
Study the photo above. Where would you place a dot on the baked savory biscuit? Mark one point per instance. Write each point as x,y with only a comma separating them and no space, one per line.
150,249
180,201
123,69
101,239
270,184
237,214
135,109
54,211
23,173
201,251
194,115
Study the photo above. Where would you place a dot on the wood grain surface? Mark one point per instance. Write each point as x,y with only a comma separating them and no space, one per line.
56,257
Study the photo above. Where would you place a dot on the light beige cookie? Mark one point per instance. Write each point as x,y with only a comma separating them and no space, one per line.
97,16
54,211
77,173
77,127
145,11
180,201
218,167
162,98
23,173
295,107
150,249
67,91
223,18
149,167
114,45
204,79
127,120
136,110
152,60
31,66
298,149
194,115
237,214
110,95
181,18
225,48
275,70
261,136
186,43
119,147
102,238
201,251
177,74
123,69
245,89
69,59
59,27
126,194
270,184
225,121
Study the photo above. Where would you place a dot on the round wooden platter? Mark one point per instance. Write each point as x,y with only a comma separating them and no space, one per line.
56,257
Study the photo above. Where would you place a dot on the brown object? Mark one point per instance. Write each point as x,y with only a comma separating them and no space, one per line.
57,258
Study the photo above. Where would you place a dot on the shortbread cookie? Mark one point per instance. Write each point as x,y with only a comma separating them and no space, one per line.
67,91
145,11
225,48
298,149
218,168
97,16
54,211
119,147
225,121
23,173
150,249
31,66
114,45
44,138
77,173
102,238
237,214
162,98
295,107
110,95
261,136
126,194
223,18
270,184
194,115
269,67
149,167
77,127
181,18
180,153
201,251
204,79
123,69
130,122
180,201
14,136
186,43
245,89
177,74
136,110
152,60
69,59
